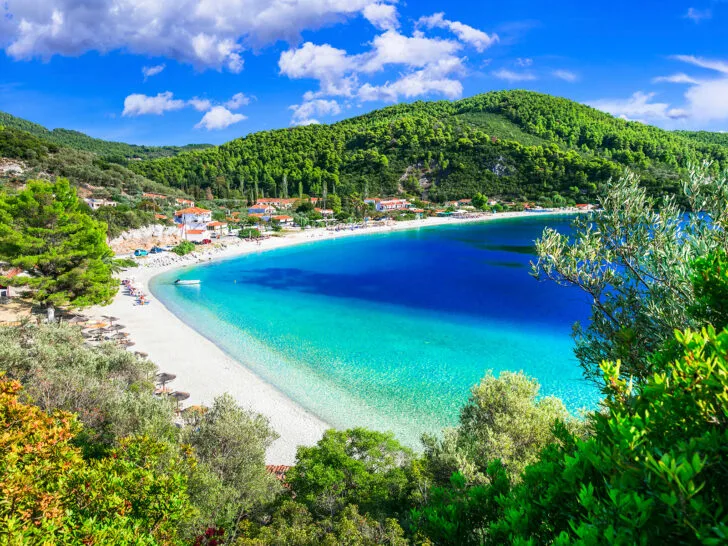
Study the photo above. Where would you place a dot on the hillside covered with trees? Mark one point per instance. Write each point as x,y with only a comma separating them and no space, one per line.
80,141
509,144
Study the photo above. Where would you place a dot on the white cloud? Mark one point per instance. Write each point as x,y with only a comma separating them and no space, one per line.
237,101
327,64
219,117
303,114
426,62
416,51
675,78
465,33
382,16
201,105
710,64
205,33
697,15
137,104
524,62
150,71
638,107
705,100
511,76
708,101
565,75
431,79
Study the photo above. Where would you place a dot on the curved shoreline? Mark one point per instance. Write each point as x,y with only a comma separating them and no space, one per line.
204,369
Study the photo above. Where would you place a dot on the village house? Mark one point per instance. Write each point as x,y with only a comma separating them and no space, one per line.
384,205
184,202
325,212
261,209
193,222
283,219
217,228
96,204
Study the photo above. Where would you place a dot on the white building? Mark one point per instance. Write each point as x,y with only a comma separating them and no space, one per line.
385,205
193,222
98,203
261,209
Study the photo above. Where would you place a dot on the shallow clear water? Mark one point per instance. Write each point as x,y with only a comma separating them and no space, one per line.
390,331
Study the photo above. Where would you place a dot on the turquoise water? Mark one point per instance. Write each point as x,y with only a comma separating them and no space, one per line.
390,331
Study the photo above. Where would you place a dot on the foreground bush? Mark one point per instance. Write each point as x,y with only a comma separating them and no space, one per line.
51,495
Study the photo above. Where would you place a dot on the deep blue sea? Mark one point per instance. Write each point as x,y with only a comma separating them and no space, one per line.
390,331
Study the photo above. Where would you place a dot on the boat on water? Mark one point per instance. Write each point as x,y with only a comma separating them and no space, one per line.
188,282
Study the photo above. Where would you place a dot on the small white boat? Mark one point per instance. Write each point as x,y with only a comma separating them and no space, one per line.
189,282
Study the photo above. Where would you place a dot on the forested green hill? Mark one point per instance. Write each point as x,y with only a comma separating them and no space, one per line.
509,144
117,151
42,158
515,145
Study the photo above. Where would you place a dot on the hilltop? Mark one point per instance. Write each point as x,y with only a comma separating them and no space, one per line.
512,144
515,145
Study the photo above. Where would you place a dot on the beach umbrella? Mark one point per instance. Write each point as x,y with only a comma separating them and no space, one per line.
117,327
164,378
127,343
119,336
179,396
141,354
109,318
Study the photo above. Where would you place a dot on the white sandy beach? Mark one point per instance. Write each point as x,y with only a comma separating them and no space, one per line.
203,369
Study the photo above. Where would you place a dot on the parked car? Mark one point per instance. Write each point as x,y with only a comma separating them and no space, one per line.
140,252
156,250
206,241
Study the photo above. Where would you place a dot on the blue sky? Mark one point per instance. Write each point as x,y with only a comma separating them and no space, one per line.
213,70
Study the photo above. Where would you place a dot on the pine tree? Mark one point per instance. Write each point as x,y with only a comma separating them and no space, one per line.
62,249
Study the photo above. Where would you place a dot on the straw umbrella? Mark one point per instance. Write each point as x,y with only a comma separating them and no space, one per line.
179,396
164,378
110,318
141,354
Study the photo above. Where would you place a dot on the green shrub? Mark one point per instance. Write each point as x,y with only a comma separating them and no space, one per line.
184,248
248,233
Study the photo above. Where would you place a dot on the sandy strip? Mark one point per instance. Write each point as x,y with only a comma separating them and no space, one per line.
202,368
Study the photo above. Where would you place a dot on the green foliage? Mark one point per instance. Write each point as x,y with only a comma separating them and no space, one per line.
45,231
357,466
504,419
230,480
654,470
109,388
720,139
51,495
710,284
634,261
184,248
122,218
458,514
247,233
293,525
